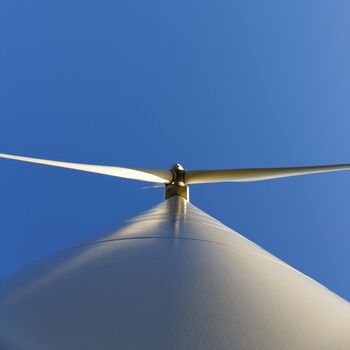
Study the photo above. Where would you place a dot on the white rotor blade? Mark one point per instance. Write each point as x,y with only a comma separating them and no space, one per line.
247,175
149,175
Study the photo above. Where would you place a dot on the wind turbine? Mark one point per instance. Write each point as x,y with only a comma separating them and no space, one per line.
171,278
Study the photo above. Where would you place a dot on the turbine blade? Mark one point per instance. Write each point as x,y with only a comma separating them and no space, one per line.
148,175
259,174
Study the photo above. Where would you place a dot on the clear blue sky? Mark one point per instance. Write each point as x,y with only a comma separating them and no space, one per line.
209,84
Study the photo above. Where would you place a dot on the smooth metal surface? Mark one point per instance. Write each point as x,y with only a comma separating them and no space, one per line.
258,174
172,278
149,175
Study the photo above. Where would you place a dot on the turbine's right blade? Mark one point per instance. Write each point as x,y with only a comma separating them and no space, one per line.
148,175
259,174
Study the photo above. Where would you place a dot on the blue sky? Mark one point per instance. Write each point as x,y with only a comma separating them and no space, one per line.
209,84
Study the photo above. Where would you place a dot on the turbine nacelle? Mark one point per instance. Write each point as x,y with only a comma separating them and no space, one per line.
177,187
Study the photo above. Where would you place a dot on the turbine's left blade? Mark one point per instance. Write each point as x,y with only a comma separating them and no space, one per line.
259,174
148,175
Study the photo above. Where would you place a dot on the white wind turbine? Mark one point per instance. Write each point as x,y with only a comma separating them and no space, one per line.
171,278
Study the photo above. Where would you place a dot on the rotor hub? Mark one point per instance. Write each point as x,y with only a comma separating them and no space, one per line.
177,187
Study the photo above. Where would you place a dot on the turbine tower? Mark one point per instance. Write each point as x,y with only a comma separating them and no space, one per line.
171,278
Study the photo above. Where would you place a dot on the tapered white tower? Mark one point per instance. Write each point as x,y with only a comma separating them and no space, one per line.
172,278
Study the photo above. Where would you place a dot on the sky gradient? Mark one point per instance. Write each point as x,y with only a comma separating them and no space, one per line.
208,84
